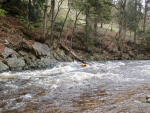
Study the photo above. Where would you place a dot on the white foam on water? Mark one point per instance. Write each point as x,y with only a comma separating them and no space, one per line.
143,68
116,64
69,73
27,96
79,76
6,75
54,86
97,65
62,69
11,85
117,77
37,73
66,79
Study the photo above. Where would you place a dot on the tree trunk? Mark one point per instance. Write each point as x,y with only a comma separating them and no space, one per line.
64,24
101,25
72,53
58,9
135,36
52,18
45,19
74,27
111,26
87,23
135,29
130,33
29,13
95,26
121,27
145,18
124,29
122,42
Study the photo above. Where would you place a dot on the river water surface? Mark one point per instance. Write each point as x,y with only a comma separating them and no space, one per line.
101,87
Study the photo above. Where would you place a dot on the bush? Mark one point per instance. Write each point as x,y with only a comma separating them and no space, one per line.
58,25
147,36
3,12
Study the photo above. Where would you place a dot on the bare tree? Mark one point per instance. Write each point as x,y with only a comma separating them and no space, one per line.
87,13
64,22
145,17
57,12
121,33
52,19
135,29
45,18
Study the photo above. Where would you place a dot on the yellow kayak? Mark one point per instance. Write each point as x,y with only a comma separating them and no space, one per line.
83,65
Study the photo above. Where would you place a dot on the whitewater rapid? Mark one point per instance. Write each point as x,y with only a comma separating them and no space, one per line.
106,86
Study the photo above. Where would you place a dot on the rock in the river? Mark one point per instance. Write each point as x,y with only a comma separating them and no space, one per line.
3,67
41,49
15,63
148,98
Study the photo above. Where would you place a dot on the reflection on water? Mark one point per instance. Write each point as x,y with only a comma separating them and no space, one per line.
101,87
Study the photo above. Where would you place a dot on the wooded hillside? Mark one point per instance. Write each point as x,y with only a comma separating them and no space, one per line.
94,30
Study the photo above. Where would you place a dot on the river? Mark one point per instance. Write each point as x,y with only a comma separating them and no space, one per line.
101,87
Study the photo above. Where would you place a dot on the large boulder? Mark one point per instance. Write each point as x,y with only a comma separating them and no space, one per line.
15,63
8,53
3,67
41,49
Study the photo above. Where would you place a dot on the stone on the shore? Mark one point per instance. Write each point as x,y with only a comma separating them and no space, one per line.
3,67
41,49
8,52
45,61
15,63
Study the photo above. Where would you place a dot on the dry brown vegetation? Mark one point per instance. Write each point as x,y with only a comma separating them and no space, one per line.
13,34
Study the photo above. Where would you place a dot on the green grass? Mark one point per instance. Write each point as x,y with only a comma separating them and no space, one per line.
115,27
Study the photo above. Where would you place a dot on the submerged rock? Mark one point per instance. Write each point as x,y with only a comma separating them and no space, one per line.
148,99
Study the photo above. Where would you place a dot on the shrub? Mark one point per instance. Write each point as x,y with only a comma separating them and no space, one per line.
147,36
3,12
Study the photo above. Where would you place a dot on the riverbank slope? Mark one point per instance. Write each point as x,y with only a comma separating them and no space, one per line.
22,48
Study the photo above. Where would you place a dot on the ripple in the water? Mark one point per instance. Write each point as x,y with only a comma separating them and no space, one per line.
101,87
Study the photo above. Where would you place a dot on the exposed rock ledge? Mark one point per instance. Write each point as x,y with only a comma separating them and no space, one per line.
33,55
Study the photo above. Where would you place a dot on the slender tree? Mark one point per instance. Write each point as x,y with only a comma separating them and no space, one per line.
146,8
52,19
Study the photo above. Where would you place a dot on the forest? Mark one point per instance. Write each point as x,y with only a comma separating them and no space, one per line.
93,30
